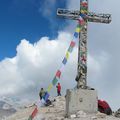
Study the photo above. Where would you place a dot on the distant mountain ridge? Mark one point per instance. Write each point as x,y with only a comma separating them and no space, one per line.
10,105
6,109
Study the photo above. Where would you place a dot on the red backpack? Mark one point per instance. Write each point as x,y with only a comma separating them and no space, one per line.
104,107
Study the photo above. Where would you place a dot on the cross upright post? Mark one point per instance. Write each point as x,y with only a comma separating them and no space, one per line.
81,77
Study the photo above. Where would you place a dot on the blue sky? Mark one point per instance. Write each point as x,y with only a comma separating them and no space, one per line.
21,19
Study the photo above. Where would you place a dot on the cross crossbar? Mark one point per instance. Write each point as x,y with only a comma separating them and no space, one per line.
91,16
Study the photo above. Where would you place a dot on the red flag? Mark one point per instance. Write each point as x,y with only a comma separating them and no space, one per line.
81,21
84,4
72,44
58,73
34,113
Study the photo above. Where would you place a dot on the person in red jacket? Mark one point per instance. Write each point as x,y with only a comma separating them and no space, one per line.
58,89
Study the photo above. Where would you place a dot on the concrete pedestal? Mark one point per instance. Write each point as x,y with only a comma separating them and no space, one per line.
81,100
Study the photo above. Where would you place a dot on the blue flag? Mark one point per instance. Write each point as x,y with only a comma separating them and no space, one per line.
76,35
64,60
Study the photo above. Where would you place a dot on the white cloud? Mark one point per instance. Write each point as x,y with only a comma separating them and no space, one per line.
47,6
46,9
34,66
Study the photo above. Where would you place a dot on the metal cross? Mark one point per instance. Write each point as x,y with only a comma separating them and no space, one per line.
81,77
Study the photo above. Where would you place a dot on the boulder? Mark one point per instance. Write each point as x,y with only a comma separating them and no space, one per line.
80,114
117,113
100,115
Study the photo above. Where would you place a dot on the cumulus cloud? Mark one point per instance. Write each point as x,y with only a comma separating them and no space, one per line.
34,66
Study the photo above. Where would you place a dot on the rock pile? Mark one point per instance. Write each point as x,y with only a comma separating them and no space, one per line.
117,113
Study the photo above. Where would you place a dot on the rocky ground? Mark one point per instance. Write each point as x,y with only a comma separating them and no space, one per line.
57,112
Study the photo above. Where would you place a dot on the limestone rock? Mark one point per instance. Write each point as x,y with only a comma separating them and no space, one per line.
81,114
73,116
100,115
94,117
117,113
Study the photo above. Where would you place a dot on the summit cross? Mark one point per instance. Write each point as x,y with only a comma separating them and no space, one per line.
81,76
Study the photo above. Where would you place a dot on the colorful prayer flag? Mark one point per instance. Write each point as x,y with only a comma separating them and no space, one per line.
83,8
84,4
67,55
82,15
58,73
79,26
80,18
55,80
49,87
64,61
72,44
34,113
77,30
70,49
84,11
46,96
81,21
75,34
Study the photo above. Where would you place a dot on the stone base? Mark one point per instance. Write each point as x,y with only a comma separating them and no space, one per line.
81,100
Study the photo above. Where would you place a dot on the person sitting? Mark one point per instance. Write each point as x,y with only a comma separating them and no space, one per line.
44,97
48,102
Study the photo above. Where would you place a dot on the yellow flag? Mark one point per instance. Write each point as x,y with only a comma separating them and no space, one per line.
78,29
84,11
49,87
67,55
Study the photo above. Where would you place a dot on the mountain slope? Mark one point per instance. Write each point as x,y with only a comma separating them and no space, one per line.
57,112
6,109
